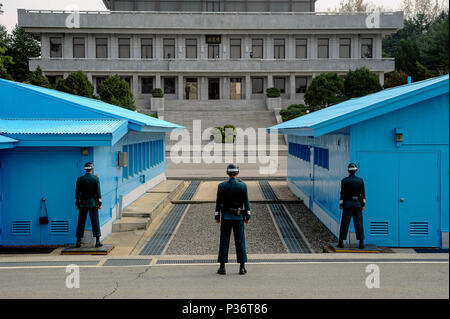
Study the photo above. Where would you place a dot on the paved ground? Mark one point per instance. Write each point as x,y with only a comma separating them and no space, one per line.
320,278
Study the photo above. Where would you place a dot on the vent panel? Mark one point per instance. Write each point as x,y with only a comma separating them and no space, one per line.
59,226
21,227
418,228
379,228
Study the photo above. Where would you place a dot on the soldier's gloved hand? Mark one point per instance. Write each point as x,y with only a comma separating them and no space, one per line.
217,217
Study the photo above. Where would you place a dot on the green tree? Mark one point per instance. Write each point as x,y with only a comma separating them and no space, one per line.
361,82
295,110
5,60
22,47
38,78
116,91
76,83
395,78
407,54
326,89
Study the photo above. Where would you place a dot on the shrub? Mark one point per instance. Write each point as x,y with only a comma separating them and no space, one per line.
361,82
273,92
76,83
325,90
395,78
39,79
295,110
157,92
230,133
116,91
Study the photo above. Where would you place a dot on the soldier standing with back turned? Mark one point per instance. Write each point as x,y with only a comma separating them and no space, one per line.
233,206
352,203
88,199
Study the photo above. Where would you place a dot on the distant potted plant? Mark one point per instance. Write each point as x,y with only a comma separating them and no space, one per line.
273,99
157,100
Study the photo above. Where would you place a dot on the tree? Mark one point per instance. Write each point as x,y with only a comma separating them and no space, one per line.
76,83
22,47
406,55
395,78
430,9
5,60
326,89
353,6
38,78
361,82
116,91
294,110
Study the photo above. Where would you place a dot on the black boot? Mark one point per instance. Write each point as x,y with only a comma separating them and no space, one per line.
340,244
78,244
221,270
98,243
242,270
361,244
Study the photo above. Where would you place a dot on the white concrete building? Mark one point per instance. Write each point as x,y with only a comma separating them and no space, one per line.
209,49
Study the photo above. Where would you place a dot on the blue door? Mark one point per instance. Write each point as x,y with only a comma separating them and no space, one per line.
29,176
419,202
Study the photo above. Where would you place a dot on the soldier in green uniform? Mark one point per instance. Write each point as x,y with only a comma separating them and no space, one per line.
352,203
88,198
233,209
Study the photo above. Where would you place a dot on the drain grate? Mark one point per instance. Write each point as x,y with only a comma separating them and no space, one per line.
214,261
49,263
267,190
190,190
127,262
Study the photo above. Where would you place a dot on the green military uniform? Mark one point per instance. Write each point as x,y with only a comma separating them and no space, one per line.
353,199
232,195
88,198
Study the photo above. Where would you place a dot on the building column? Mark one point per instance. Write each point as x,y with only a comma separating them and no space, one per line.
269,80
135,85
292,87
381,77
158,81
248,87
180,87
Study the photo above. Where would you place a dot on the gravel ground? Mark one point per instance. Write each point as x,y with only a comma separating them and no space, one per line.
199,234
315,232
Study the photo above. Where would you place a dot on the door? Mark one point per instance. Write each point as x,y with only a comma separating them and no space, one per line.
235,88
213,89
419,202
29,177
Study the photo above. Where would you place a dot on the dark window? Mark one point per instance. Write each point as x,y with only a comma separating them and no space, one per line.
213,5
301,46
169,85
235,48
147,85
53,79
101,48
191,48
321,157
257,49
78,48
278,45
146,48
323,48
299,150
257,85
280,83
366,48
124,48
56,47
345,48
169,48
300,84
213,51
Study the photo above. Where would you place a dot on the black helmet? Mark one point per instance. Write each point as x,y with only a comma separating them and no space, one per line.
232,169
88,166
352,167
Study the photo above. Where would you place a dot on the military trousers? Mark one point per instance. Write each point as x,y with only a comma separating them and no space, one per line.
347,214
239,239
93,214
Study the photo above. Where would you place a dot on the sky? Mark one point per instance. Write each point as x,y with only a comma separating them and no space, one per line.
9,17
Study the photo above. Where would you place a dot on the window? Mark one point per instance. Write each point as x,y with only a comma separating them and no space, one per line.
53,79
142,156
101,48
124,48
345,48
146,85
278,45
146,48
257,49
257,85
56,47
366,48
213,5
321,157
301,48
191,48
213,51
299,150
169,48
169,85
280,83
235,48
300,84
78,48
323,49
191,89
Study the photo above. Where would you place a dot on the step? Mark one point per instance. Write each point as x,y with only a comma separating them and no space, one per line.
130,223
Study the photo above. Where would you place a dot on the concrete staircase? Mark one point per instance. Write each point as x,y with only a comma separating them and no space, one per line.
141,213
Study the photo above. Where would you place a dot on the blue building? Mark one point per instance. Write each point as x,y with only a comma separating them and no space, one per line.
46,136
398,138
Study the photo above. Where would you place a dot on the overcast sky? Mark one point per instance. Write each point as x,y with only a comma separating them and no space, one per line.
9,17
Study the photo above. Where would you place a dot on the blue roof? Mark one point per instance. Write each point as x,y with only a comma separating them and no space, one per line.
96,106
5,139
50,126
355,110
